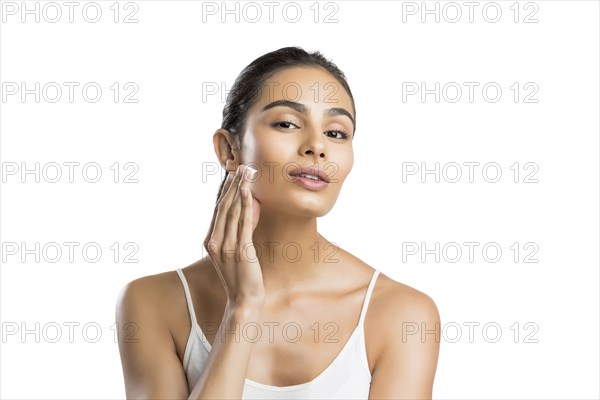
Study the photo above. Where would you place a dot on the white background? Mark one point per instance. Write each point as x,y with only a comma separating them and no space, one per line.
171,52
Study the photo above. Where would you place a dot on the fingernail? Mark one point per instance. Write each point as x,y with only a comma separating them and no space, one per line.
240,169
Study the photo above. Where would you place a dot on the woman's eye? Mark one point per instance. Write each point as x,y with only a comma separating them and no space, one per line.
285,124
290,125
342,134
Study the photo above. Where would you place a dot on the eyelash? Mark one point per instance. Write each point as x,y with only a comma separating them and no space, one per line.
344,134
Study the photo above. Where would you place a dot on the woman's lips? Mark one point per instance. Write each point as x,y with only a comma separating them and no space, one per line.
308,183
311,170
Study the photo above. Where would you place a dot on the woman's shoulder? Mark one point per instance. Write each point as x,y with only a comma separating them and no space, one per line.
395,300
150,287
395,310
393,295
402,316
159,293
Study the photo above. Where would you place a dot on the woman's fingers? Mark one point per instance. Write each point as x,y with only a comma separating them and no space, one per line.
246,226
226,185
230,242
223,208
230,177
233,252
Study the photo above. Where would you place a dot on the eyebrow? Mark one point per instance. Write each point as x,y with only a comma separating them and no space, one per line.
302,109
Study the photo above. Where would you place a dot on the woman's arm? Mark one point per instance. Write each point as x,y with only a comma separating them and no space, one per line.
225,371
231,249
151,367
406,366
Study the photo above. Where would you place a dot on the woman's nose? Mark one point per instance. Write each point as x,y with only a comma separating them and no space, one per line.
314,143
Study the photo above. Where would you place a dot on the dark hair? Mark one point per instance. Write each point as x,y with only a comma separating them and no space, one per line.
247,87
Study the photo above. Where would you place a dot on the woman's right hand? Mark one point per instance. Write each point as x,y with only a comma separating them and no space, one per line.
229,243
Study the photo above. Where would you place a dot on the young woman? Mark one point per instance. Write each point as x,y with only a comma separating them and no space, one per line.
276,310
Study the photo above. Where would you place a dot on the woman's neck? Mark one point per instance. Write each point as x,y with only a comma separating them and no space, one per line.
290,251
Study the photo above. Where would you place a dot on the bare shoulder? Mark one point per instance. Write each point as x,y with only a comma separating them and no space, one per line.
394,309
395,302
391,300
404,333
155,293
160,299
146,310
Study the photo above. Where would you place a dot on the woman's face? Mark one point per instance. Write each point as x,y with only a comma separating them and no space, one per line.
303,118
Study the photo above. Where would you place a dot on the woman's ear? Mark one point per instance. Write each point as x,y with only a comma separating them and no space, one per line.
226,149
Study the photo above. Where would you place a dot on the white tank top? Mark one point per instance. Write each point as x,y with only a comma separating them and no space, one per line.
347,376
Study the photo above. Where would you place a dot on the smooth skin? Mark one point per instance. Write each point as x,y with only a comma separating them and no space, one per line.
245,280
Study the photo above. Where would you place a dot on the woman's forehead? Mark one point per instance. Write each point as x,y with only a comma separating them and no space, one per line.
307,85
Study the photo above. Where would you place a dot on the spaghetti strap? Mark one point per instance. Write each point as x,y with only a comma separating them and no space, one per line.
368,297
188,297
